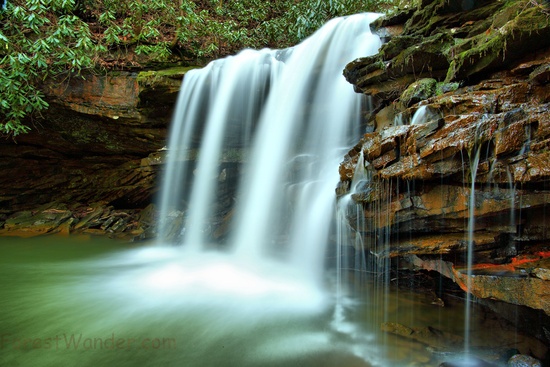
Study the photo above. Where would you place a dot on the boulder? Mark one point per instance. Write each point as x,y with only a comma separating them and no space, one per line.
521,360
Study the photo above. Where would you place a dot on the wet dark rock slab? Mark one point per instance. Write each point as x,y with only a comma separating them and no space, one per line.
97,219
426,335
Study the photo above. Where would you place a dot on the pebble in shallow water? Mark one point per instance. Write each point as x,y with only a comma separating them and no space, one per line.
521,360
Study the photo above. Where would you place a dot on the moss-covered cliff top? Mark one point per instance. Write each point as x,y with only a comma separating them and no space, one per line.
451,42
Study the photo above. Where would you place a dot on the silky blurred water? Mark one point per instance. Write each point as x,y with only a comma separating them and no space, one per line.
94,302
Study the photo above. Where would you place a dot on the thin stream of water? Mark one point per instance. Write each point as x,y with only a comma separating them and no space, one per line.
474,164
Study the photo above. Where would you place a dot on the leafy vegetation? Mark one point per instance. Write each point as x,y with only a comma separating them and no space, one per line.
37,41
42,39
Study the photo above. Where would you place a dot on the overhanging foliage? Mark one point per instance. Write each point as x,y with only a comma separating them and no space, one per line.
41,39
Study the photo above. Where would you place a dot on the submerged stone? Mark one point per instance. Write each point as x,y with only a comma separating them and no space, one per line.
470,362
418,91
430,336
521,360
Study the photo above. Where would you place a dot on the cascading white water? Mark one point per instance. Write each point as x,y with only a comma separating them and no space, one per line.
127,305
301,116
212,100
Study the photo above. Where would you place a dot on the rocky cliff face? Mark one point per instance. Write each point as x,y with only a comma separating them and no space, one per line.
89,165
461,126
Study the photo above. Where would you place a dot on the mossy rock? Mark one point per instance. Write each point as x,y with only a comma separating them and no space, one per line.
398,17
442,88
152,77
424,58
444,14
541,75
397,44
418,91
364,65
529,30
160,86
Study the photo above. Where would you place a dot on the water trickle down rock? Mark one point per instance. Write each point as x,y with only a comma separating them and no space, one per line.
489,65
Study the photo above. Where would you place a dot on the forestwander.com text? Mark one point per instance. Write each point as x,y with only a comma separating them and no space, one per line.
79,341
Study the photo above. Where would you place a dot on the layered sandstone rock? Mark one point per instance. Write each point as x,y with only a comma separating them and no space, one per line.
96,150
461,125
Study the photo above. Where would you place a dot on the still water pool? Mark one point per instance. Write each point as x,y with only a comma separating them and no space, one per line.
94,302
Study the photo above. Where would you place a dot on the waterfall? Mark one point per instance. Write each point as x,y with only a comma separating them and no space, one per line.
254,147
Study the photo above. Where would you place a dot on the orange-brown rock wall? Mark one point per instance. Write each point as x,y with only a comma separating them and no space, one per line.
95,151
459,106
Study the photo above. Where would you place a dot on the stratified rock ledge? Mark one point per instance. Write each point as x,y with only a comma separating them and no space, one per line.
98,150
461,117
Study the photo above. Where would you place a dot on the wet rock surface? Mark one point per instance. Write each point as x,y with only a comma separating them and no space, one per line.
97,219
428,335
461,118
98,150
520,360
449,41
446,348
